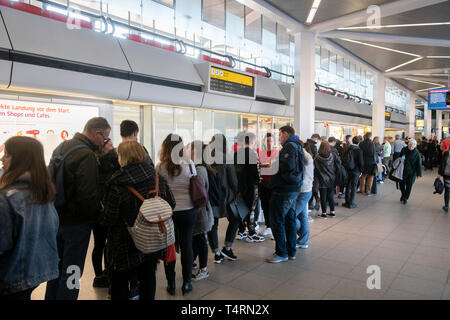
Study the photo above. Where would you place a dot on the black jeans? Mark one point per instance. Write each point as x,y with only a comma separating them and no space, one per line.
73,243
265,194
200,248
350,191
406,187
213,239
446,195
99,232
327,197
18,296
184,226
146,274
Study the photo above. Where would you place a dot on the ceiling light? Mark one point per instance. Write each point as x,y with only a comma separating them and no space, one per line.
429,89
313,11
398,26
421,81
438,57
404,64
383,48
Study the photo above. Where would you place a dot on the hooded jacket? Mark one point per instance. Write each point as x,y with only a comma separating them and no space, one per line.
357,157
248,174
288,177
122,207
369,153
308,174
325,170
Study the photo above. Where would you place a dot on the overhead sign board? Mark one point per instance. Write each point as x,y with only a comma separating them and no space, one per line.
420,123
387,116
445,129
230,82
439,99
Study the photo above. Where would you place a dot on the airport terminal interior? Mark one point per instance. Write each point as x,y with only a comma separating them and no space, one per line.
202,67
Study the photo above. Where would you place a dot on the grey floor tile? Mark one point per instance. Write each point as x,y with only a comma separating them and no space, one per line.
290,292
346,255
357,290
314,279
225,292
330,267
394,294
446,294
256,284
425,272
360,274
423,287
385,264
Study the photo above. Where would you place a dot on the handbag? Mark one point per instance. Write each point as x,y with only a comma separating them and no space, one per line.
239,209
197,191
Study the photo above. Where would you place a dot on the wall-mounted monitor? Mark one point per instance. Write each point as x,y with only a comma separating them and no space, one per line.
439,99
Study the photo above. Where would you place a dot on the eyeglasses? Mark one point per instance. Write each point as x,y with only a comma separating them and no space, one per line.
105,140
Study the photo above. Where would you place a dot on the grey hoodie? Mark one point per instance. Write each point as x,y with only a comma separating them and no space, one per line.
308,174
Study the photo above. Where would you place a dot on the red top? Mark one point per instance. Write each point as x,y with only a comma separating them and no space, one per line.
445,146
265,157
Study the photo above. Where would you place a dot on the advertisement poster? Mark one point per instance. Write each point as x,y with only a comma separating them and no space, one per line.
48,122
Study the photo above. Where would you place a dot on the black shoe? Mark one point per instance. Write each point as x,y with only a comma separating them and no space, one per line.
218,258
324,215
331,214
445,209
186,288
171,287
401,199
101,282
134,294
228,254
194,265
405,201
347,205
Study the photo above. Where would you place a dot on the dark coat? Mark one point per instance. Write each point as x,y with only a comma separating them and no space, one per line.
444,164
325,170
287,178
413,164
81,183
122,206
369,152
358,157
246,162
313,147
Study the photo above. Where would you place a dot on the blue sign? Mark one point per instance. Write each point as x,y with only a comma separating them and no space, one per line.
439,99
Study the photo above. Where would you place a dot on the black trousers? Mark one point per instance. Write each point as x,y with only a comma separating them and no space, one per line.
350,191
265,194
406,187
18,296
100,233
200,248
146,274
184,226
327,197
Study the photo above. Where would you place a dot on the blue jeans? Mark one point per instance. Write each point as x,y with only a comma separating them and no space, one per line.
283,222
73,243
302,223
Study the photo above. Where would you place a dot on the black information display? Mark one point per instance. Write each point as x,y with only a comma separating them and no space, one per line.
222,80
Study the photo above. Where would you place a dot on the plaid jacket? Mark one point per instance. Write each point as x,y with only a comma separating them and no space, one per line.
122,207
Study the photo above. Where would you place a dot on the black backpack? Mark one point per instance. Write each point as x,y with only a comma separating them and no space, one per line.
341,174
56,169
348,159
216,192
438,186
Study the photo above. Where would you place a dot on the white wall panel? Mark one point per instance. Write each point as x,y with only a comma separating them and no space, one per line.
144,92
44,78
5,73
34,34
219,102
268,108
160,63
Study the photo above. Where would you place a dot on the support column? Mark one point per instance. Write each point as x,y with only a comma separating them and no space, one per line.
379,106
410,130
439,124
304,90
427,118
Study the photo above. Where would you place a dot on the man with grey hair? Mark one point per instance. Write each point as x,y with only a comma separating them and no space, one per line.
412,169
81,207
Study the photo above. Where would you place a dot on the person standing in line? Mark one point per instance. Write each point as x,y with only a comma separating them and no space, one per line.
286,184
178,172
345,145
28,220
222,163
397,147
82,205
205,218
369,155
353,163
386,153
378,154
248,173
444,172
412,169
313,145
325,173
266,156
121,211
301,207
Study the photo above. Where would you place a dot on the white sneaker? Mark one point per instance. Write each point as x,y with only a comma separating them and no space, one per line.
267,232
257,227
301,246
310,219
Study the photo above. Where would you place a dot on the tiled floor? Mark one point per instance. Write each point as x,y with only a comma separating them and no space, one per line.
410,244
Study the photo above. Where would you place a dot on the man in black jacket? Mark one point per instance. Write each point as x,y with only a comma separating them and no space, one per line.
369,155
286,184
312,146
81,188
353,163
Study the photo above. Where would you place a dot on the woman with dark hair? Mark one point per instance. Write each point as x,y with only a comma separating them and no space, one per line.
177,168
28,220
222,161
324,172
121,210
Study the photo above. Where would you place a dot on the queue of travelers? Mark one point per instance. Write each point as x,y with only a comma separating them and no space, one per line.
92,186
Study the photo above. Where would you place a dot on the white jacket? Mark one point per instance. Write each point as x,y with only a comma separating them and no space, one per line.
308,175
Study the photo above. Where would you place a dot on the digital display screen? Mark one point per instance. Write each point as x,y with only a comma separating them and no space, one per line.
420,123
226,81
439,99
387,116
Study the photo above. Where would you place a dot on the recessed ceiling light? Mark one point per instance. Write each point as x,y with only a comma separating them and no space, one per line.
397,26
313,11
429,89
382,48
404,64
438,57
421,81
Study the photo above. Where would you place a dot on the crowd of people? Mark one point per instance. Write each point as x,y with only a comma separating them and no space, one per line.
46,226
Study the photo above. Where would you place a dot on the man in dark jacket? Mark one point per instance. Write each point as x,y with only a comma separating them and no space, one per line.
312,147
286,184
313,144
81,207
369,155
353,163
